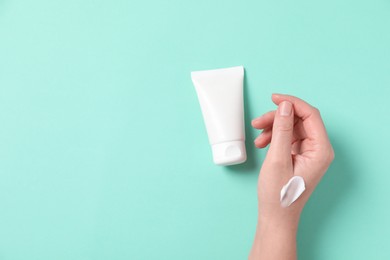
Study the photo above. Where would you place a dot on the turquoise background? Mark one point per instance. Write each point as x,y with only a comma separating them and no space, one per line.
103,151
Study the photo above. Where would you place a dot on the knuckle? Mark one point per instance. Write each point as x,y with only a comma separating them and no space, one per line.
316,111
327,157
331,155
286,126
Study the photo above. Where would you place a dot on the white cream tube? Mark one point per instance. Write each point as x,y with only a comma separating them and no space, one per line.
220,94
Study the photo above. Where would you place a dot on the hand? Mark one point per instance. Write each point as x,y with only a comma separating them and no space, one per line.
299,146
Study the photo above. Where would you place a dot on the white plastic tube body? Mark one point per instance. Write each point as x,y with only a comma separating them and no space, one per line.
220,94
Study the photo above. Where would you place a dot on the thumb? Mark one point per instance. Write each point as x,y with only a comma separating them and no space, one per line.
282,134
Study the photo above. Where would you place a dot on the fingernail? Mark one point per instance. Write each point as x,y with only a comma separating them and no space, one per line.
285,108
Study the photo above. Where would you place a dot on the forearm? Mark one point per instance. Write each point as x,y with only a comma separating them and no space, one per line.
275,240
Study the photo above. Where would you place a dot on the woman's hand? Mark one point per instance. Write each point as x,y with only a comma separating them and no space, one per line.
299,146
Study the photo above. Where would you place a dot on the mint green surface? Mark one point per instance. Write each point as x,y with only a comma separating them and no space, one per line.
103,151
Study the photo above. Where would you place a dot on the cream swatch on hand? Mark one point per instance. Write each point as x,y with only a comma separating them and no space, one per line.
291,191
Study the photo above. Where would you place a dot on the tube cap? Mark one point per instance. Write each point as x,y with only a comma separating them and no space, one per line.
229,153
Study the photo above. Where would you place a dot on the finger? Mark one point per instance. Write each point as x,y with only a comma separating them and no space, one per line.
267,120
264,138
264,121
310,116
282,134
301,108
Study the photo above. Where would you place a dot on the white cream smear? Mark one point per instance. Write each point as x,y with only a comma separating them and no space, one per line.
291,191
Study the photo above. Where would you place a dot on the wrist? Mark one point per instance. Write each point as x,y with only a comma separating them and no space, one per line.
275,238
277,225
283,218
